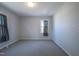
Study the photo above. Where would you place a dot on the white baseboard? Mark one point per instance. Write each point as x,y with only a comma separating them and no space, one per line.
35,39
63,49
7,43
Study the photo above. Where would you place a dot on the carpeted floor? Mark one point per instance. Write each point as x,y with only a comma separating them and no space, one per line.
33,48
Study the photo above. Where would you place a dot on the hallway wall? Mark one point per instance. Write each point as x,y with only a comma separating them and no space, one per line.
66,28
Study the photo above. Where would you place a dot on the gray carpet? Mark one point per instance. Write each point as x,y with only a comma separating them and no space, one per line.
33,48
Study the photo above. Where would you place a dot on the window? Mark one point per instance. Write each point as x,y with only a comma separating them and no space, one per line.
4,36
44,27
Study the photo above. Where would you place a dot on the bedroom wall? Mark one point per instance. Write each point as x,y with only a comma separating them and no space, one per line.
30,28
13,25
66,28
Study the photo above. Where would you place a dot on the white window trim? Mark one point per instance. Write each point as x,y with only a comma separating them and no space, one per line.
40,25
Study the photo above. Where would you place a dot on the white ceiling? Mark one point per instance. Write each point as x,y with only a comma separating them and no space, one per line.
41,8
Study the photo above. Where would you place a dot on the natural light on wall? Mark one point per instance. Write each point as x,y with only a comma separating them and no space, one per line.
42,26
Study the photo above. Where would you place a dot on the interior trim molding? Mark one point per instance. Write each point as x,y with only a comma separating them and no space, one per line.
6,44
62,48
35,39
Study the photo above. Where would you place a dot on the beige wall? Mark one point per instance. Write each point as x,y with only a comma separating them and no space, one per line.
30,28
66,28
12,22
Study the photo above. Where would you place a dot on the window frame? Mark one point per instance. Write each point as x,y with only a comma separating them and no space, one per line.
4,27
42,30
